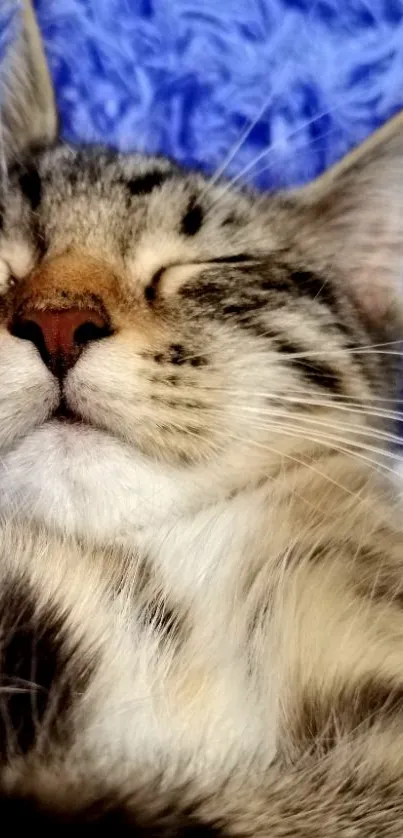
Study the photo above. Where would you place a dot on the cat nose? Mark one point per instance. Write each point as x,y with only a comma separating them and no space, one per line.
60,335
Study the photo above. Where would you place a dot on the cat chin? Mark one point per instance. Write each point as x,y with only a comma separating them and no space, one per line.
83,482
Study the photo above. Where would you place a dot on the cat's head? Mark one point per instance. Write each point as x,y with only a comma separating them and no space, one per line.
164,340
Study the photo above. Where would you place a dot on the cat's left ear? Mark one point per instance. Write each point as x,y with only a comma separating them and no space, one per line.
27,104
353,218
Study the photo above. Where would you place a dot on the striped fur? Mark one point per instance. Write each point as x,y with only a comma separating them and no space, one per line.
201,625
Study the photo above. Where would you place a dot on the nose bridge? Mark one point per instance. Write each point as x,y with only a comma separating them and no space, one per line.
67,280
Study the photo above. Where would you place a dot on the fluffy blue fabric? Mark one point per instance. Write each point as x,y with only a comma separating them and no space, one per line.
187,77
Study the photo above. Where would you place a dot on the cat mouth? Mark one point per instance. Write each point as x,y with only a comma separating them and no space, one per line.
65,415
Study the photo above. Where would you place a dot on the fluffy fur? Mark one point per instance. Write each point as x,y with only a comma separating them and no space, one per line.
201,544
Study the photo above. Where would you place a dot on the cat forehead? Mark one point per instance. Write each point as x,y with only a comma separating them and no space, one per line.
136,182
81,191
96,170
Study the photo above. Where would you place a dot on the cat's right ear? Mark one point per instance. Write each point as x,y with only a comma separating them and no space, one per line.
28,117
351,222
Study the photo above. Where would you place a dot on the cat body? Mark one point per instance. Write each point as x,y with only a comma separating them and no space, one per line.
201,536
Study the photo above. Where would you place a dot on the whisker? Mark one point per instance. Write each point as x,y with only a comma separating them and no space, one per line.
24,682
376,349
235,148
332,443
305,465
305,420
271,149
340,350
361,430
382,413
308,433
377,412
320,435
15,690
243,137
298,152
348,399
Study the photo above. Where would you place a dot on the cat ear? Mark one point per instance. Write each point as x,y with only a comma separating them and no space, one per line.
354,219
28,116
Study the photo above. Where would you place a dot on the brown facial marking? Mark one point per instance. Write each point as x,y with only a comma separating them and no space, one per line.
67,280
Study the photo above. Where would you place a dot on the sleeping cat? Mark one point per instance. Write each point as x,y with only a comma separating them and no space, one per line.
201,542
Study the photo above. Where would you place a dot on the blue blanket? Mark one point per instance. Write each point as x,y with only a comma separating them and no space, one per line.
304,79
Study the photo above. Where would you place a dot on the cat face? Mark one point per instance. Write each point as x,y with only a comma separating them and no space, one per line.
151,320
165,340
175,282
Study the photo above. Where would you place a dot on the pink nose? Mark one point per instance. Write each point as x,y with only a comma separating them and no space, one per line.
60,335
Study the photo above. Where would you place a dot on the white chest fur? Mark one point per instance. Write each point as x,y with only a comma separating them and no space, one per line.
201,698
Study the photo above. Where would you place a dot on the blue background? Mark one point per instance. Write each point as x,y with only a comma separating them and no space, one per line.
187,77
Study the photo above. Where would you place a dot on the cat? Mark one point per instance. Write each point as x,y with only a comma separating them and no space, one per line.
201,540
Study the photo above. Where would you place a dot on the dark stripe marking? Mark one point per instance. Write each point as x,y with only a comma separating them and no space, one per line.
33,661
304,283
162,617
192,220
177,354
146,814
150,291
320,720
31,186
144,184
232,220
314,370
320,374
155,609
309,284
233,259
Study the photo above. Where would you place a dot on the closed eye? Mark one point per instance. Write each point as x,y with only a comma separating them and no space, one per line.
150,290
229,260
